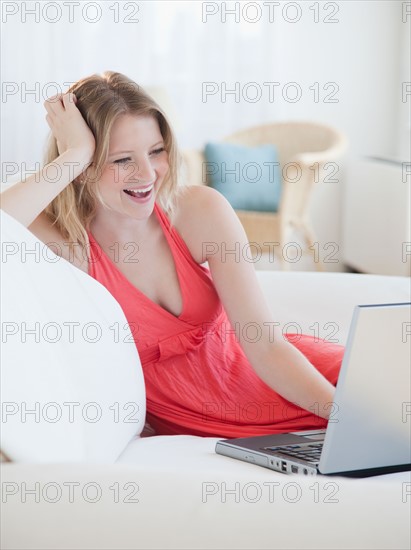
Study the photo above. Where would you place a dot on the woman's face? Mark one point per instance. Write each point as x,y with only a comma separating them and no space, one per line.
136,166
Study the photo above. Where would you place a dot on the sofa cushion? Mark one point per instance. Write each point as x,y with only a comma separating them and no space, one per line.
72,386
249,177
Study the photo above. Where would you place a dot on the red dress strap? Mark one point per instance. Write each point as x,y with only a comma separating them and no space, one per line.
173,236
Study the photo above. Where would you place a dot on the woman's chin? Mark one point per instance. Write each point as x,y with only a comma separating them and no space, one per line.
140,209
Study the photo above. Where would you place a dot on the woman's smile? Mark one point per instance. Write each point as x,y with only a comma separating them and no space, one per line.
140,194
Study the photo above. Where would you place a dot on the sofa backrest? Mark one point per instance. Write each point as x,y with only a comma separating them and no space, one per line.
72,386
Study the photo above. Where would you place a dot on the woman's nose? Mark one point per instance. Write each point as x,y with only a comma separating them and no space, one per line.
144,171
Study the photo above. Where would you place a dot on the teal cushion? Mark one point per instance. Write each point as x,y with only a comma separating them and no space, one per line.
249,177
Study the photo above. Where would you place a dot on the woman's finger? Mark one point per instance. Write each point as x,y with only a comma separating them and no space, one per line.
51,104
68,99
55,103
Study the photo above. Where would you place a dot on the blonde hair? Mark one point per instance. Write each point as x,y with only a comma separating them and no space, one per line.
101,99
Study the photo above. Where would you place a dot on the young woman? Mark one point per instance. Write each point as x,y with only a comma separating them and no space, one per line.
214,360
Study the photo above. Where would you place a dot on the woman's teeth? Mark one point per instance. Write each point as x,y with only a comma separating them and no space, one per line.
141,193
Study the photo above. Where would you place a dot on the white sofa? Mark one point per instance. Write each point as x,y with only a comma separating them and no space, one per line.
86,485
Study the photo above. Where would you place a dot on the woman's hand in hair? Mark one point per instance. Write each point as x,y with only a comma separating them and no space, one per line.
68,125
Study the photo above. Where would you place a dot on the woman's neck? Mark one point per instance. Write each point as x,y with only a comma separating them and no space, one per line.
107,226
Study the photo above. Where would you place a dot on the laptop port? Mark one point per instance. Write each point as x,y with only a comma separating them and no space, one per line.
294,469
283,466
305,471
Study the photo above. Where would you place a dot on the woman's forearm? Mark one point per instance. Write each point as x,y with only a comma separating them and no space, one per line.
288,372
25,200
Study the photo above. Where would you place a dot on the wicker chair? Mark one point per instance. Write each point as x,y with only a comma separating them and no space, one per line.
302,143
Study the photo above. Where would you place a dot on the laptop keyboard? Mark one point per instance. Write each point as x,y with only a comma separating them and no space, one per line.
309,452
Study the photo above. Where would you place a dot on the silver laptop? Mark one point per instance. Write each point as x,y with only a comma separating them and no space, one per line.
369,429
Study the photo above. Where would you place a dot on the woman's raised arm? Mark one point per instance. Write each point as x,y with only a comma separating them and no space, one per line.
25,200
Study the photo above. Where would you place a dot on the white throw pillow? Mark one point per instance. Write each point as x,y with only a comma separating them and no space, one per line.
67,355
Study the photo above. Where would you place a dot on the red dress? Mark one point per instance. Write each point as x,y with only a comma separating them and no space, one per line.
198,379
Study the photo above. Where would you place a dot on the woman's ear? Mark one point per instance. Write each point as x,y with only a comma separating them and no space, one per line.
80,180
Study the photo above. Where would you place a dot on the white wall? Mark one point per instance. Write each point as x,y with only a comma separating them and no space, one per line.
364,53
403,119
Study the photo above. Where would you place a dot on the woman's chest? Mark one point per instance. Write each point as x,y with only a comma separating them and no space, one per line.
149,268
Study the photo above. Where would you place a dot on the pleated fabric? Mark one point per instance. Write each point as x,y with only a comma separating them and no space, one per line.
198,379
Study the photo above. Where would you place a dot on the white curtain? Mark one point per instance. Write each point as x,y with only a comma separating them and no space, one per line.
184,47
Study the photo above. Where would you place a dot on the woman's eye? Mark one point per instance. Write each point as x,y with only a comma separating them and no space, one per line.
157,151
128,159
120,161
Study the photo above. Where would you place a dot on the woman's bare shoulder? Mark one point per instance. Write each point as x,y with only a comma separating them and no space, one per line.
199,210
195,197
